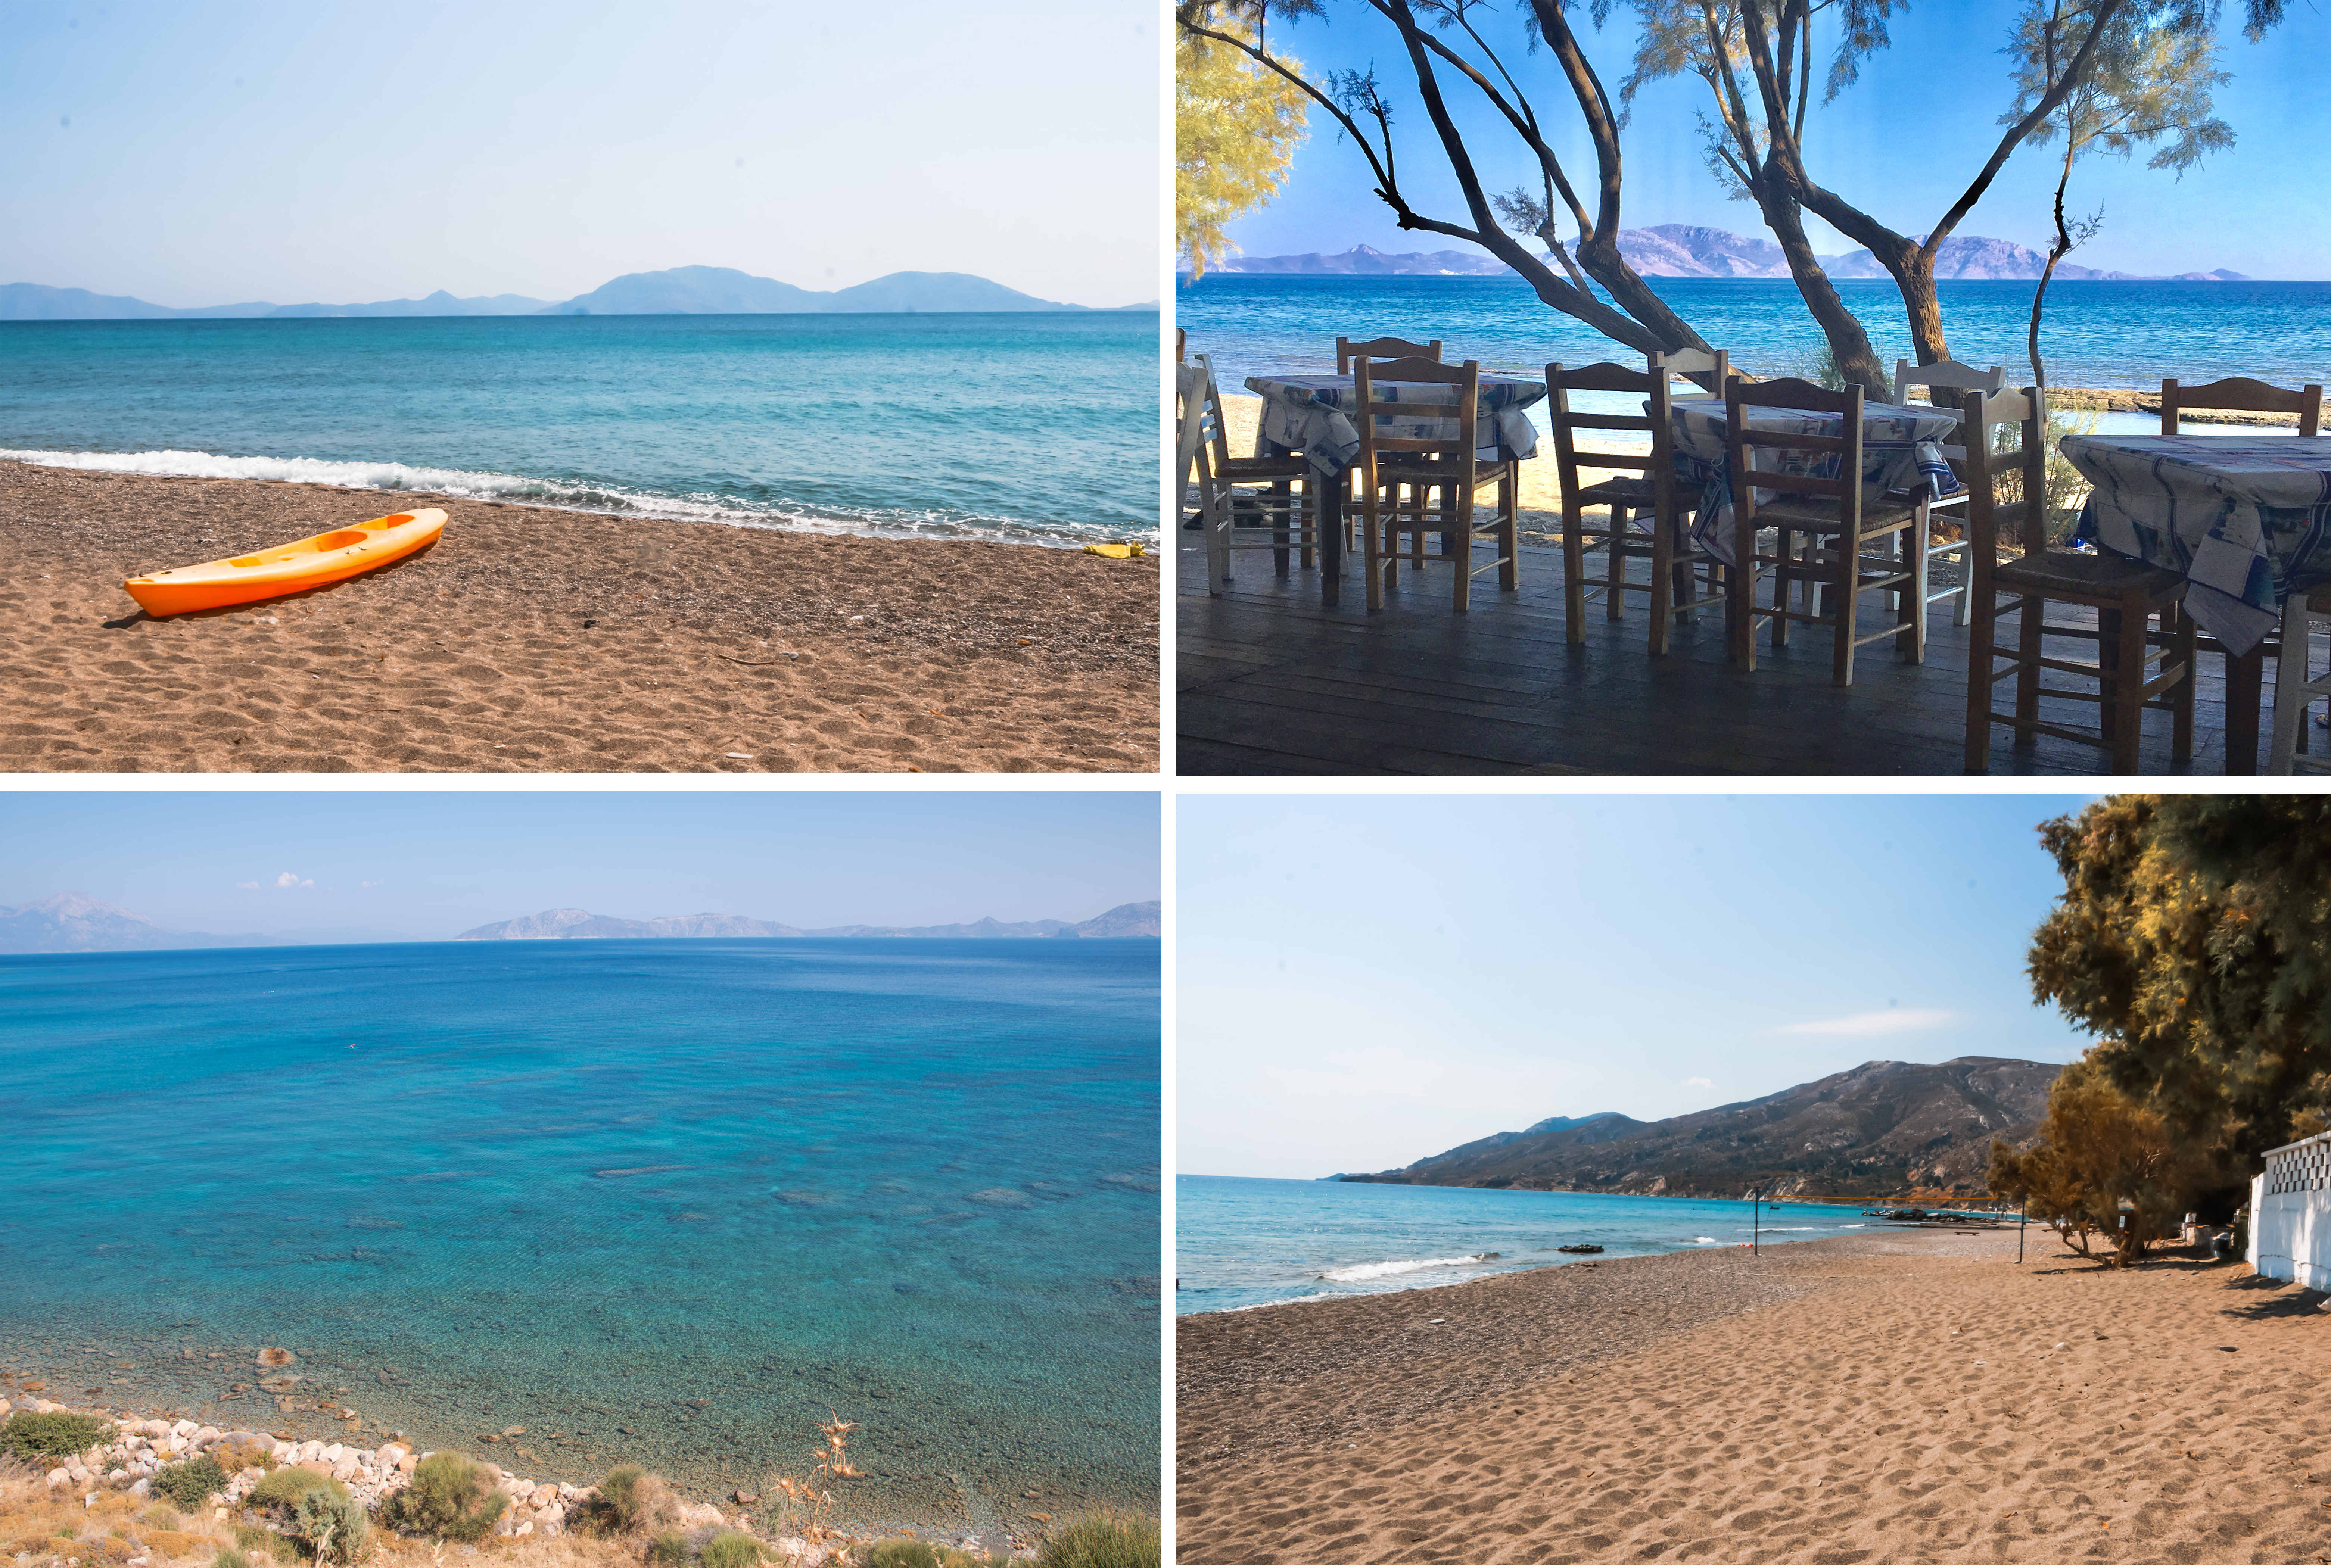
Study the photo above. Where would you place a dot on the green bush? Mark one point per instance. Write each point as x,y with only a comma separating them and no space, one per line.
622,1505
251,1538
668,1550
229,1557
315,1511
730,1549
1104,1539
158,1518
28,1436
900,1553
450,1497
188,1484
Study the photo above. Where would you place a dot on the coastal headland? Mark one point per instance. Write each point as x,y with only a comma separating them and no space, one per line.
1910,1396
533,639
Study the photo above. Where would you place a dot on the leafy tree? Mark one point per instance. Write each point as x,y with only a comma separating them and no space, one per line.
1236,127
2150,79
2097,1149
2194,938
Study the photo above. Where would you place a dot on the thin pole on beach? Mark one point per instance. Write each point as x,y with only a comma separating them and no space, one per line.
1755,1224
2021,1212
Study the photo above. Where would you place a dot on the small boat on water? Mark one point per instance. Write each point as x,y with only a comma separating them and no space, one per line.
291,568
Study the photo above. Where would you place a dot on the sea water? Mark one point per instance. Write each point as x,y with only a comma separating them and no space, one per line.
668,1201
2095,334
1245,1242
1037,427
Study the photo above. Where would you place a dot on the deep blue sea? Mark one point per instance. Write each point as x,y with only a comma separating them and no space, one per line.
2096,334
1039,427
1251,1242
664,1200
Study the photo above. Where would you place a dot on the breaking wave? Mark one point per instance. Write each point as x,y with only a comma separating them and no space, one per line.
1360,1271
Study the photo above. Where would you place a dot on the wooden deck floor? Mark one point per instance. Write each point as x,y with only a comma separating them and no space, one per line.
1270,682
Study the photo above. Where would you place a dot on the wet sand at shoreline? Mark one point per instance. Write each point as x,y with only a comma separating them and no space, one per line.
530,638
1911,1396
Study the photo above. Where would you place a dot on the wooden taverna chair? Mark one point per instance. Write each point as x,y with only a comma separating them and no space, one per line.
1429,466
2127,595
1244,503
2245,673
2294,688
1644,485
1946,381
1823,544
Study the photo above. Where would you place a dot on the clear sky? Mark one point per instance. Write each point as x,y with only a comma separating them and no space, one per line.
202,152
1368,979
1901,144
429,864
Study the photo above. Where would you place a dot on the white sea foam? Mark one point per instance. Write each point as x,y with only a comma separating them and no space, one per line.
1705,1240
1290,1301
1360,1271
472,484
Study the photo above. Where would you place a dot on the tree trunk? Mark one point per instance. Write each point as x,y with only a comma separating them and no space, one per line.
1849,343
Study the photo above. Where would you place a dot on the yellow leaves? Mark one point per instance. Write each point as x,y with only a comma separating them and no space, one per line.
1236,127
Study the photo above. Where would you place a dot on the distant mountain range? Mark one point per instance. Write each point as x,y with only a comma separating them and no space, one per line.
1885,1128
1692,251
77,923
565,924
676,291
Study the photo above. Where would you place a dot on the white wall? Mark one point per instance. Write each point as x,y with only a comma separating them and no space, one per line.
2290,1214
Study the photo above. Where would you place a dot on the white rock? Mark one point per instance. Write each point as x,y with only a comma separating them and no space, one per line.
405,1462
278,1450
545,1495
89,1500
183,1429
4,1407
524,1529
333,1455
142,1487
208,1434
60,1477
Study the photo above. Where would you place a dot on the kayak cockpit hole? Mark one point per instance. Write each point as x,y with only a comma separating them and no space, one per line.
342,540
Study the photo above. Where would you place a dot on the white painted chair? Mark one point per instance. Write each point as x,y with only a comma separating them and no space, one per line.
2293,690
1947,380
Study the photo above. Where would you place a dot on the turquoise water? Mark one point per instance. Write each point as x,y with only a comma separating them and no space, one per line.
1249,1241
577,1187
2128,335
1039,427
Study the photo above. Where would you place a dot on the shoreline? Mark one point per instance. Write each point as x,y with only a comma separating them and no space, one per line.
540,639
1888,1398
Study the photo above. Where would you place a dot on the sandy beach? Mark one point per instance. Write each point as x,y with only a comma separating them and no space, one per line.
1899,1397
530,638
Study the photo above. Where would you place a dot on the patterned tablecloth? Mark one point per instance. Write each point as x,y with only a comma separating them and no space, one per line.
1312,414
2241,517
1901,447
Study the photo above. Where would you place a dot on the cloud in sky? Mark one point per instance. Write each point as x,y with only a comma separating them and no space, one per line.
246,884
1893,1021
292,879
1699,1083
372,884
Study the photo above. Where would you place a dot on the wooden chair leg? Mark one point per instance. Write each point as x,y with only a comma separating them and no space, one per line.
1463,542
1379,568
2128,694
2181,713
2245,682
2032,620
1574,571
2291,673
1912,642
1662,580
1614,565
1981,665
1509,528
1740,593
1784,581
2109,663
1844,583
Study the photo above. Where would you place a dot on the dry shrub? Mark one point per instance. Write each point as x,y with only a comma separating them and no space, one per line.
808,1508
1104,1538
170,1542
631,1503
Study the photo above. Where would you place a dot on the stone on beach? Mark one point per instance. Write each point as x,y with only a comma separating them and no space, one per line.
274,1356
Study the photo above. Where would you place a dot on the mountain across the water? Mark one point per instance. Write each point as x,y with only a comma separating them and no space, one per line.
675,291
1696,251
1885,1128
1140,919
77,923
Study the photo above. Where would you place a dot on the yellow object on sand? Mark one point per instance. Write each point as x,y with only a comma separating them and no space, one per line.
303,564
1115,552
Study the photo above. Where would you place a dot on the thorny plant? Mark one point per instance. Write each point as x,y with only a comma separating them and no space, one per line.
809,1505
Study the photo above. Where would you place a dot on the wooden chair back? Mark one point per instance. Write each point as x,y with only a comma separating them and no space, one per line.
1218,424
2240,393
1741,441
1707,368
1349,350
1948,375
2023,522
1464,408
1658,465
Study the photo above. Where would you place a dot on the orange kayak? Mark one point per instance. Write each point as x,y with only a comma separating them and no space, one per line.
289,568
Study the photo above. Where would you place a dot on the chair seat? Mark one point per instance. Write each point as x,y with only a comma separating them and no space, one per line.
1817,515
1249,469
2071,574
1626,492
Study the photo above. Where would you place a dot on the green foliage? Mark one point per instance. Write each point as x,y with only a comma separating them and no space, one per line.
315,1511
630,1502
1104,1539
730,1549
2099,1150
158,1518
451,1497
189,1483
229,1557
251,1537
1236,127
2193,939
901,1552
668,1550
28,1436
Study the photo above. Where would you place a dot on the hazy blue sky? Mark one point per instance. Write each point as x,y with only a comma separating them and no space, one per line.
430,864
200,154
1368,979
1902,144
